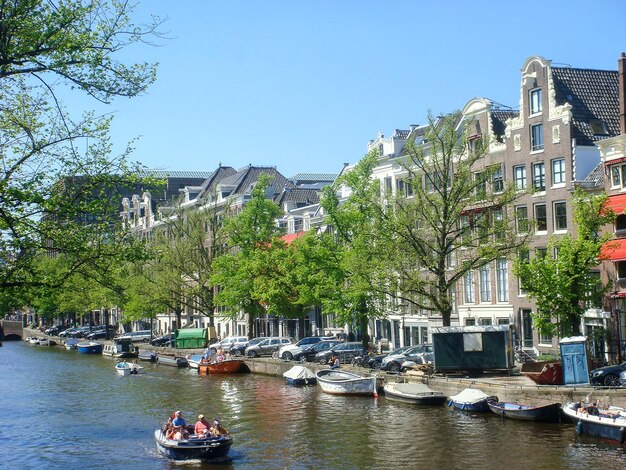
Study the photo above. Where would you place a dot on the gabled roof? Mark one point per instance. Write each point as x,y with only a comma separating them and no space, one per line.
499,118
310,178
177,173
596,177
298,196
244,179
218,175
593,95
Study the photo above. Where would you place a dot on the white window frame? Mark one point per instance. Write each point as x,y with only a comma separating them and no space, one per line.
535,104
502,281
536,138
558,174
519,177
554,211
485,283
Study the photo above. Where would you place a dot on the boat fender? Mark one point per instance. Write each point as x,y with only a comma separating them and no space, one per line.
579,427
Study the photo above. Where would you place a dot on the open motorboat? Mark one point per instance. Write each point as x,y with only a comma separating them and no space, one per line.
206,447
90,347
548,413
471,399
608,423
128,368
47,342
300,375
71,343
194,360
416,393
339,382
175,361
228,366
148,356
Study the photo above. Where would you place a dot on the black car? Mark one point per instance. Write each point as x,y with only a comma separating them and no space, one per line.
101,333
168,339
345,352
608,375
55,330
308,352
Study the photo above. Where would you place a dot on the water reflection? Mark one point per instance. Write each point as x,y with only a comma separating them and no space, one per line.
74,411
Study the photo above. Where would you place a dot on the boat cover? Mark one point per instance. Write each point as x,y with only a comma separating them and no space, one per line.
412,388
299,372
469,395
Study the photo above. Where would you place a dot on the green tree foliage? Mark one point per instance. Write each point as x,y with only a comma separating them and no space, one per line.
561,282
58,187
242,272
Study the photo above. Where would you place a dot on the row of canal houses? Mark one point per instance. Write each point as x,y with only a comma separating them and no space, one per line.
569,130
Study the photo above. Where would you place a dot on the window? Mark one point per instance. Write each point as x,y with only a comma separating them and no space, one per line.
502,275
388,184
481,185
469,287
464,226
521,219
541,252
541,218
621,269
504,321
497,180
485,283
470,322
535,101
404,188
618,176
519,175
539,176
536,137
558,171
523,256
485,321
499,225
620,224
598,127
560,216
472,342
594,295
545,339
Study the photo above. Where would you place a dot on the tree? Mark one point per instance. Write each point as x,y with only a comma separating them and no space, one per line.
561,282
59,178
241,271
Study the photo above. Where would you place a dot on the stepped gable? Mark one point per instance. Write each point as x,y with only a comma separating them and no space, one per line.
593,95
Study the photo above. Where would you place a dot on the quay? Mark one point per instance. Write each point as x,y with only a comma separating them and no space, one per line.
513,388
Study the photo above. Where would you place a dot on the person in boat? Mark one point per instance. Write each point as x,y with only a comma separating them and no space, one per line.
334,362
220,356
216,428
178,419
167,427
202,427
180,433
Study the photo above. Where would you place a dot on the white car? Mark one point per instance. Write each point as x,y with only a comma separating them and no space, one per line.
286,352
228,343
141,336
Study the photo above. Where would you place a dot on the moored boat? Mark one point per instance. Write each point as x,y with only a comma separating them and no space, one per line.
228,366
90,347
47,342
339,382
194,447
32,340
148,356
128,368
608,423
548,413
174,361
120,348
194,360
416,393
71,343
471,399
300,375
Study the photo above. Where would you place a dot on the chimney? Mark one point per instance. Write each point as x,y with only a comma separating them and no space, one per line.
621,64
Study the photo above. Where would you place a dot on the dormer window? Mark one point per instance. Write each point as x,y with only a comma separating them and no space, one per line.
598,127
535,101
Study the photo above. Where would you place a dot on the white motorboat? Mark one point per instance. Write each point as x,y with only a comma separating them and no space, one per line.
416,393
128,368
194,360
339,382
47,342
300,375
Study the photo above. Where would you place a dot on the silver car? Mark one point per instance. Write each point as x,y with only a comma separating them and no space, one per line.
268,346
622,379
421,354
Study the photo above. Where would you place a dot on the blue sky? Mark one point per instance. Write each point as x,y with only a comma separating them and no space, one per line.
303,85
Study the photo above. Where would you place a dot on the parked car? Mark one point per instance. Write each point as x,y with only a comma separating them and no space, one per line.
308,352
622,379
80,332
267,346
240,348
141,336
377,359
54,330
420,354
609,376
65,333
102,333
165,340
345,352
228,343
286,352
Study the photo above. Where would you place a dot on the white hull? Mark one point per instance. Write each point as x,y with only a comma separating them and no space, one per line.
128,369
346,383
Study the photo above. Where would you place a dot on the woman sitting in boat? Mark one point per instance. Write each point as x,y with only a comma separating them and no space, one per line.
202,427
219,355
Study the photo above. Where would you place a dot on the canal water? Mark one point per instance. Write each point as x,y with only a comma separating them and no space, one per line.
60,409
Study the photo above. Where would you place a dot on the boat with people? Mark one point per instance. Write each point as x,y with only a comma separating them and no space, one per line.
90,347
181,442
607,422
174,361
226,366
472,399
415,393
300,375
547,413
120,347
128,368
339,382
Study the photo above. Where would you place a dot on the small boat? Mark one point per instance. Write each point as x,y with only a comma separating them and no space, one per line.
194,360
549,413
128,368
339,382
32,340
544,372
229,366
90,347
471,399
47,342
174,361
148,356
194,448
416,393
609,423
300,375
120,348
71,344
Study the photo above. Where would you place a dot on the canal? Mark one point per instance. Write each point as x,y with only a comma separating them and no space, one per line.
61,409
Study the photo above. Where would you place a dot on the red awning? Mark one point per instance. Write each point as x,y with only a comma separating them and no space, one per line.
617,203
614,250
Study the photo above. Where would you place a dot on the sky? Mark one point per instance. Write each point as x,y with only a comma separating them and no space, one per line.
304,85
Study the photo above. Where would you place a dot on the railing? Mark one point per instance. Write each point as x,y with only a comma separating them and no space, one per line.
523,357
